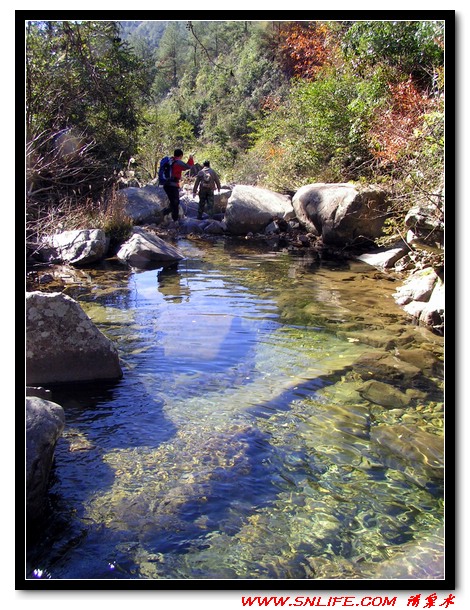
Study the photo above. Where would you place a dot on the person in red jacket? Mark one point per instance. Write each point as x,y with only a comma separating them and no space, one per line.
172,189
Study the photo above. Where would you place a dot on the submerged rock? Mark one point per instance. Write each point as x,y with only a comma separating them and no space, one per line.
384,366
420,559
384,394
419,454
423,359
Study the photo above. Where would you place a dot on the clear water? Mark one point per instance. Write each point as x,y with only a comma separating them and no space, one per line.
237,445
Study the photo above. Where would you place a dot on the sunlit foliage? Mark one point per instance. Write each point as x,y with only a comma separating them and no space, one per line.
303,48
83,97
274,103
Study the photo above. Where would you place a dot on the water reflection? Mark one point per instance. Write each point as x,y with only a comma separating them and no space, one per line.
238,443
171,284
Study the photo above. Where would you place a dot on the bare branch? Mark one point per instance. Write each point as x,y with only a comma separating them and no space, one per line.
190,28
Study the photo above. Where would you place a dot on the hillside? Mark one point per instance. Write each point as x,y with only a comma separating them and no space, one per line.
277,104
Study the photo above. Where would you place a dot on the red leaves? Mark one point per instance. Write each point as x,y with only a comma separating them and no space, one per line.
393,129
303,48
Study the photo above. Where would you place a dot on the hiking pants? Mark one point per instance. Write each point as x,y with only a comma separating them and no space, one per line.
173,193
205,196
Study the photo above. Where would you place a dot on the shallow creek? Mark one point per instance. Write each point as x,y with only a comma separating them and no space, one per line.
240,443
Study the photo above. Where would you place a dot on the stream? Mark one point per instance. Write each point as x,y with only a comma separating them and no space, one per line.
238,443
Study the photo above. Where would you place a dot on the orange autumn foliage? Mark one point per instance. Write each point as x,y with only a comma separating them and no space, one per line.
393,129
303,48
274,152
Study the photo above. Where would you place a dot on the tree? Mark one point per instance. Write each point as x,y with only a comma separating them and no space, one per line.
172,57
162,131
83,87
302,46
406,128
410,48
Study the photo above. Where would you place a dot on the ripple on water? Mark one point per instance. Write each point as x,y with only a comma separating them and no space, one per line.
238,444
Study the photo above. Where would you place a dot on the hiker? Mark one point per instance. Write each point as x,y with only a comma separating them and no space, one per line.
207,180
172,187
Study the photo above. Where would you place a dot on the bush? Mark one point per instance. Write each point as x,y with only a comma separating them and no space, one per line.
68,216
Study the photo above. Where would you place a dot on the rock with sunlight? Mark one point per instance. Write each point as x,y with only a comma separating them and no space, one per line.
62,343
341,213
384,258
251,209
143,205
432,314
80,247
418,286
143,250
45,421
422,296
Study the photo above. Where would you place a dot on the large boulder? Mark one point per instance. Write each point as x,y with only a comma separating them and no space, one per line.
62,343
341,213
143,205
221,199
251,209
45,421
143,250
190,204
80,247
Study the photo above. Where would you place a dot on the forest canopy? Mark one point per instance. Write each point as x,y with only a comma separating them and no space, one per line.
277,104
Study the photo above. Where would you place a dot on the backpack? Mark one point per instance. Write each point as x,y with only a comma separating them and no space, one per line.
207,180
164,170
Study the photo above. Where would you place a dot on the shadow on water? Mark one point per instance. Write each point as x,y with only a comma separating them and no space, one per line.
153,523
106,414
102,419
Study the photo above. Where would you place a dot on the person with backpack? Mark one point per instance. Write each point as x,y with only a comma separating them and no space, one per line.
207,180
169,176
